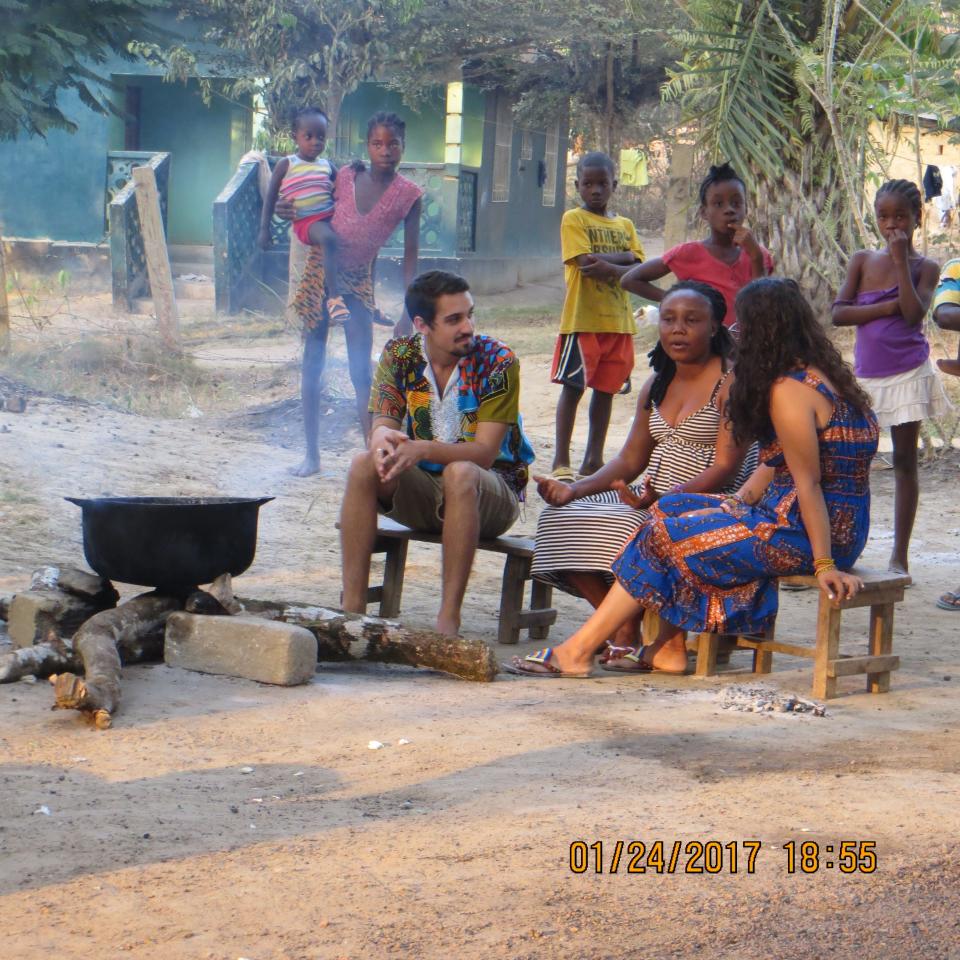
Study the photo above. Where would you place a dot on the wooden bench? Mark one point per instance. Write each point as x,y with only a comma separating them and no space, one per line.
393,539
881,592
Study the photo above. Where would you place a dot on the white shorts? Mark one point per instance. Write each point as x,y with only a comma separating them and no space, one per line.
907,397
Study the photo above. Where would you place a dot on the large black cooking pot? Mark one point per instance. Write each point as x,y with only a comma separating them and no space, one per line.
171,543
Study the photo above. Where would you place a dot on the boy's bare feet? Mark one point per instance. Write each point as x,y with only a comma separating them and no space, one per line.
950,366
310,466
448,626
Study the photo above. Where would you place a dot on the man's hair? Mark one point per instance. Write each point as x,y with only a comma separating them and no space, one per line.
422,295
595,159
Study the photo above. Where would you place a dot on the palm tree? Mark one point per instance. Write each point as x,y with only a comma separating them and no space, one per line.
791,91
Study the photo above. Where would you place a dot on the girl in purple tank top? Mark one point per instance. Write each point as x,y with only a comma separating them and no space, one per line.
886,296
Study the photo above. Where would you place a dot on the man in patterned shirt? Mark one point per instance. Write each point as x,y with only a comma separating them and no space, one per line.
447,453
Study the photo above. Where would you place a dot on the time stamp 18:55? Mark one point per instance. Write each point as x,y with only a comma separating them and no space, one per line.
716,856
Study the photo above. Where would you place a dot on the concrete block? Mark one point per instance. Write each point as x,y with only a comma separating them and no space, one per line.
247,647
33,613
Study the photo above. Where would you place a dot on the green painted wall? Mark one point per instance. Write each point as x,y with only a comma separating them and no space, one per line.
204,142
425,126
55,187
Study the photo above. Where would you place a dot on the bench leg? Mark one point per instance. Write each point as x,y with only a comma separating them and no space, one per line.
541,596
516,572
763,659
881,644
707,646
828,646
393,571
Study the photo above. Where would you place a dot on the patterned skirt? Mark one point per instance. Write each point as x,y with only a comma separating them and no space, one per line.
715,572
311,299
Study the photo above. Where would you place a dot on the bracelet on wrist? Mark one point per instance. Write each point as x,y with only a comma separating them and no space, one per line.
822,564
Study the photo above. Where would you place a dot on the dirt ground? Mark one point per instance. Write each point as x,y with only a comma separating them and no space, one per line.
150,841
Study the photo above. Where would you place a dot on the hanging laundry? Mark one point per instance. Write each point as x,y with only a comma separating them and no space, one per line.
633,167
932,182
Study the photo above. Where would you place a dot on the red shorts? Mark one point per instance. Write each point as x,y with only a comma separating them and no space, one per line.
602,361
302,227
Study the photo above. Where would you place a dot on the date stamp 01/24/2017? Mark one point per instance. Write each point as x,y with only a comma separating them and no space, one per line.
716,856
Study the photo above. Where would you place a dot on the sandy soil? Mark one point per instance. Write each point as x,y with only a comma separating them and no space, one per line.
155,844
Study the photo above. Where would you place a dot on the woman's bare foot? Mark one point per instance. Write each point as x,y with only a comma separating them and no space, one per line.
310,466
950,366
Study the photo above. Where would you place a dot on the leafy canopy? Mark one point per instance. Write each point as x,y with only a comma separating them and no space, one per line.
50,46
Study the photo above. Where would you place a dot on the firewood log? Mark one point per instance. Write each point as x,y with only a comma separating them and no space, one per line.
40,660
130,633
348,636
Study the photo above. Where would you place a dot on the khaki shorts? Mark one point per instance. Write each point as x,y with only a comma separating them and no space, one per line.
418,503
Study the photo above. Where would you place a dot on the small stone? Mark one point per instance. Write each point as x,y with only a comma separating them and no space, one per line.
948,677
246,769
375,745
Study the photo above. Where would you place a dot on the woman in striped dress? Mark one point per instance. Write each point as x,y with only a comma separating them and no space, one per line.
677,441
712,563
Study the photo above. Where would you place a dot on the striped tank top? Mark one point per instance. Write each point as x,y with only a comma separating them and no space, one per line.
308,184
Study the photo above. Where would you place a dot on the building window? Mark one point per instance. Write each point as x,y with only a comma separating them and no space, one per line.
503,141
526,145
550,167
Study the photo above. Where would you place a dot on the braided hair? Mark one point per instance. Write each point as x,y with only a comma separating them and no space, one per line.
383,118
907,190
721,343
303,112
718,173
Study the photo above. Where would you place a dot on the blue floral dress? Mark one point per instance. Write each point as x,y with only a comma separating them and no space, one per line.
718,572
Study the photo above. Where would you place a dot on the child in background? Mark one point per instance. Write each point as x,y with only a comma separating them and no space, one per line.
728,259
886,295
946,309
595,345
306,180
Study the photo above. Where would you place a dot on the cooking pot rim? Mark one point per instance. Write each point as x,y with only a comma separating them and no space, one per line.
164,502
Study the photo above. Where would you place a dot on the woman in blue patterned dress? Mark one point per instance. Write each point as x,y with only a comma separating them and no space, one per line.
707,562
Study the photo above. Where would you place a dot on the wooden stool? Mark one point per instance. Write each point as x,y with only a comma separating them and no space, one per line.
393,539
881,592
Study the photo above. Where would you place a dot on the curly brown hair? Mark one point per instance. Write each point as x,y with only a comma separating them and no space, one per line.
779,333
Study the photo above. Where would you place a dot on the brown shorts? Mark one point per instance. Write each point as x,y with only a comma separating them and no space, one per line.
418,503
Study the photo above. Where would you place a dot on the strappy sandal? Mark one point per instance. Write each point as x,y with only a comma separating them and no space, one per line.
563,474
949,601
634,663
538,665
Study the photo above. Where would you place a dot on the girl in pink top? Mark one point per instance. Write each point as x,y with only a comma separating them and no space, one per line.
886,296
728,259
371,202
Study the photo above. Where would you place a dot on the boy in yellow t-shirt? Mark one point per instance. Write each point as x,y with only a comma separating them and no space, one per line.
595,345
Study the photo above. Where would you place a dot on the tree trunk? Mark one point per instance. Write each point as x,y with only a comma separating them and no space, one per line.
808,231
608,114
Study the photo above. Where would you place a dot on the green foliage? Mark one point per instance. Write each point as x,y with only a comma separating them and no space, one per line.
291,52
48,46
603,58
796,86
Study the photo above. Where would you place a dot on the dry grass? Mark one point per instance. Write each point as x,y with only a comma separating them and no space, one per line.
132,373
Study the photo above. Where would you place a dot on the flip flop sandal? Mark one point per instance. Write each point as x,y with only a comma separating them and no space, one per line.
538,665
563,474
619,651
634,663
953,604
